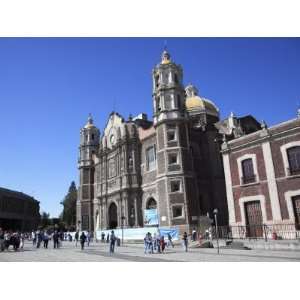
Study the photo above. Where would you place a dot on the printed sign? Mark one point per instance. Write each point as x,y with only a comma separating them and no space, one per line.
150,217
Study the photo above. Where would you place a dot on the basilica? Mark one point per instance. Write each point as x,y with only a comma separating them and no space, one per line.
162,172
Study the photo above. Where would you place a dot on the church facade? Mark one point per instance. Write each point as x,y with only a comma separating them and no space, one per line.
170,165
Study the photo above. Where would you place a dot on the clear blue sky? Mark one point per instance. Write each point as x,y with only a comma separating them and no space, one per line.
48,86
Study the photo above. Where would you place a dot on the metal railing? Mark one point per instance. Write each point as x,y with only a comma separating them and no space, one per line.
260,231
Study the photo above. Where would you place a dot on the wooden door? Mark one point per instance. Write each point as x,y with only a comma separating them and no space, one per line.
254,221
296,205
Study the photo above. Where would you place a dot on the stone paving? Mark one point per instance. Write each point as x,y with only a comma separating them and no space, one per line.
98,252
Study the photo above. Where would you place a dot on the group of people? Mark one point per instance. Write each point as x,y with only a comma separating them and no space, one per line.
157,243
10,238
82,238
152,244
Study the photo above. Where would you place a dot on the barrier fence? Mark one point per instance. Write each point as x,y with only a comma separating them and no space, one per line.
261,231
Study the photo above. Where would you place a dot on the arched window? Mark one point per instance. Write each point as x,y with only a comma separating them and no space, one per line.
151,204
248,171
294,160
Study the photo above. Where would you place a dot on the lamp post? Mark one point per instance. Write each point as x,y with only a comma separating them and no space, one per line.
217,231
122,226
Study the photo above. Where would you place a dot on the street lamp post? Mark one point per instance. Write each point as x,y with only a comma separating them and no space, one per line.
217,231
122,224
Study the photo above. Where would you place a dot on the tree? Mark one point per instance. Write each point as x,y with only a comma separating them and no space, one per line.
68,215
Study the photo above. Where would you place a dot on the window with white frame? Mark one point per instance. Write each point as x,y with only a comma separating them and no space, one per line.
175,186
293,155
151,158
171,133
247,167
177,211
173,158
248,171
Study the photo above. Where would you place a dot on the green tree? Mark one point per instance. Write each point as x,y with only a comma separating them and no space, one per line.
68,215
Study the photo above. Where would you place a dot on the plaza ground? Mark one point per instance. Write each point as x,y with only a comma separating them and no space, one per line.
99,252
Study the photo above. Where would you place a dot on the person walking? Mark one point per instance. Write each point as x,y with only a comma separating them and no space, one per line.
162,244
112,242
88,237
103,237
33,236
82,240
194,235
76,238
46,240
22,237
150,243
170,242
185,241
158,244
55,239
107,238
39,238
1,240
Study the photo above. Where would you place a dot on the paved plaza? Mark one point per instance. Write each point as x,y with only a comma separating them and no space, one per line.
99,252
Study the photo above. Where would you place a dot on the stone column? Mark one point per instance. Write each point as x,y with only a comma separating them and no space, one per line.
136,223
125,211
229,192
272,185
104,204
119,210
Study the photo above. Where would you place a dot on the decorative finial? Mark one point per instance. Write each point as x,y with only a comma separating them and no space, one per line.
130,117
191,91
165,45
90,119
232,114
263,125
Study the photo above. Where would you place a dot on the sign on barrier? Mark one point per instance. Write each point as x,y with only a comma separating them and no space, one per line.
139,233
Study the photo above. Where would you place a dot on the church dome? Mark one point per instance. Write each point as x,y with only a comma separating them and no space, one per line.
90,123
194,103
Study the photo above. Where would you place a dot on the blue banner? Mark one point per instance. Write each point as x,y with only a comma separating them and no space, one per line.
150,217
172,231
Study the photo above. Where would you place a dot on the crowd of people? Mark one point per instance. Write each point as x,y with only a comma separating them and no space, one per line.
40,238
152,244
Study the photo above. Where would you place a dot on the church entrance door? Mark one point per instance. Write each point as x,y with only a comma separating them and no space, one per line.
113,216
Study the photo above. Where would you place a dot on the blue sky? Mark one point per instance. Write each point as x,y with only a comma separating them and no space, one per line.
48,86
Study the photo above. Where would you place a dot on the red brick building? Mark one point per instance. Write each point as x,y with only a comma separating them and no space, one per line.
262,172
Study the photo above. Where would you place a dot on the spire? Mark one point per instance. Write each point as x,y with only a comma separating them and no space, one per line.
90,122
165,57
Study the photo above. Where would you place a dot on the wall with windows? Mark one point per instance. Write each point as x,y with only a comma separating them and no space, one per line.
269,160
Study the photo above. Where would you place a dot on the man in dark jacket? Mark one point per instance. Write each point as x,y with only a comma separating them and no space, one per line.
82,240
112,242
55,239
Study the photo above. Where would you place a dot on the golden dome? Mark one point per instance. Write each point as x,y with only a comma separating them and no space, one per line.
165,62
89,123
197,103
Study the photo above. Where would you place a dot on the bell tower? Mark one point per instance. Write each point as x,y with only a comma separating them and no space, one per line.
88,150
175,178
168,91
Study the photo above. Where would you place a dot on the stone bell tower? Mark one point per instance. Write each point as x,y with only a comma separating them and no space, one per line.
175,184
88,149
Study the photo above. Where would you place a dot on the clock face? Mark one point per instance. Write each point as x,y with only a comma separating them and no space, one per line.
112,139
